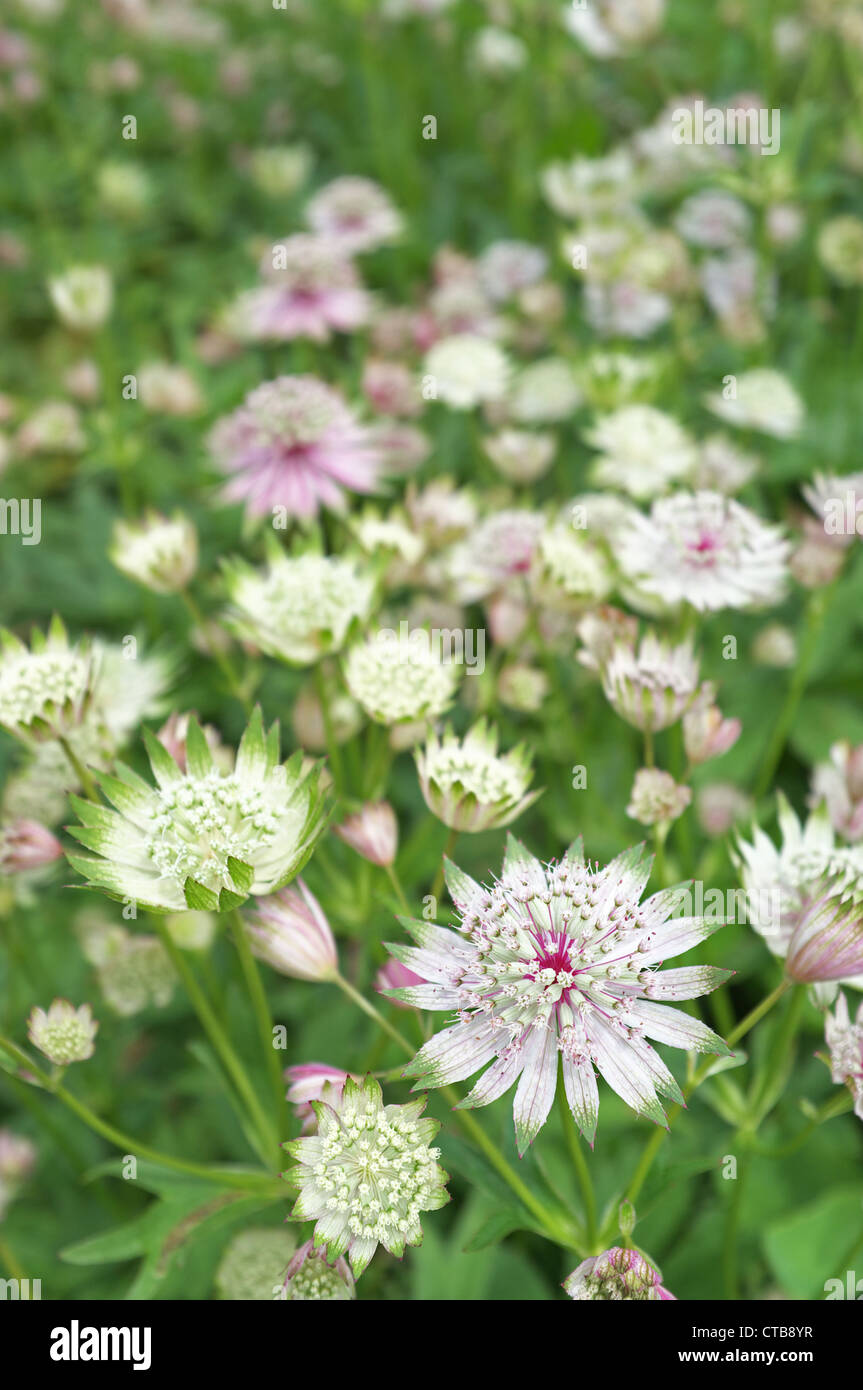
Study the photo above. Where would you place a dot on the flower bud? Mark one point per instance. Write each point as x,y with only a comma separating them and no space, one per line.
394,975
82,297
63,1034
254,1264
616,1274
310,1276
656,797
291,933
373,832
27,845
158,552
307,1082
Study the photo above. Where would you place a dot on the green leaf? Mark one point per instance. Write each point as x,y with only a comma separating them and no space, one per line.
806,1249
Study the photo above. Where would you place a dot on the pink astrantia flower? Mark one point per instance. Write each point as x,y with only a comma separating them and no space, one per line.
356,213
618,1275
291,933
845,1040
312,290
294,443
372,831
559,959
394,976
307,1082
25,844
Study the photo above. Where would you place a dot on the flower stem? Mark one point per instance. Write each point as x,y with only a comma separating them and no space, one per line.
221,660
217,1036
397,889
88,785
362,1003
263,1016
125,1142
333,751
582,1171
816,611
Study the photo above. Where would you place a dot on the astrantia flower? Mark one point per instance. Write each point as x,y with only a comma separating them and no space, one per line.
763,400
399,682
202,838
159,552
311,1276
498,549
254,1264
82,297
543,392
135,973
26,845
294,443
840,248
706,550
356,213
642,450
64,1034
652,686
372,831
467,369
468,785
46,690
312,290
705,733
54,427
656,797
721,466
167,389
845,1040
301,607
557,959
307,1082
839,783
368,1174
838,503
805,897
714,219
520,455
506,267
291,933
570,570
618,1275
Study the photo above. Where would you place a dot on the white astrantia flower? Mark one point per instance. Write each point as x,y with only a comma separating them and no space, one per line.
301,607
763,400
705,550
558,960
837,500
642,450
46,689
788,885
202,838
398,682
82,296
652,685
466,369
656,798
545,391
468,785
63,1034
570,569
159,552
721,466
368,1174
845,1040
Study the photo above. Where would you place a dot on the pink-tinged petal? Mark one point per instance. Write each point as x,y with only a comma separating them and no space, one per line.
687,982
535,1094
662,1078
500,1076
435,967
625,1073
431,997
455,1053
827,943
582,1094
672,938
678,1029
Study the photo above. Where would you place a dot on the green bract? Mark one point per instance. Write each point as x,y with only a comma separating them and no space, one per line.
202,838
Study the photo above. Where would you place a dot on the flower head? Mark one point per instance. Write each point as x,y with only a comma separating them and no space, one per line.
466,370
368,1173
505,267
295,444
311,1276
301,607
468,785
202,838
291,933
82,297
254,1264
650,686
839,783
706,550
616,1274
46,690
64,1034
159,552
656,797
705,733
312,289
499,549
642,450
764,400
307,1082
845,1040
556,959
354,212
25,845
399,683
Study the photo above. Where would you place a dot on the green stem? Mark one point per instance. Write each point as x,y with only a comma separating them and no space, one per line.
222,661
816,611
451,838
397,889
333,750
88,785
263,1016
125,1142
362,1003
732,1226
755,1015
582,1171
219,1040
